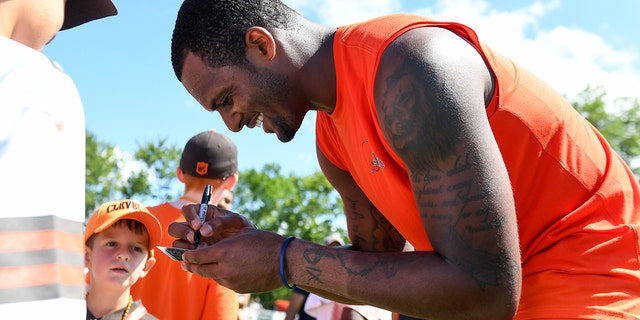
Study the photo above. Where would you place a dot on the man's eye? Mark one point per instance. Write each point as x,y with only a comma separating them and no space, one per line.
226,101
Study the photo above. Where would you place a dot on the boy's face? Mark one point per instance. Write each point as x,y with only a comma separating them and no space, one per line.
119,257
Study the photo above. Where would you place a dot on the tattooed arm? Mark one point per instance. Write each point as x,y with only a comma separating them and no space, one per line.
368,229
431,90
430,93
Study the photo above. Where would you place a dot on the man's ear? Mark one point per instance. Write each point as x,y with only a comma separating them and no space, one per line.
151,261
260,43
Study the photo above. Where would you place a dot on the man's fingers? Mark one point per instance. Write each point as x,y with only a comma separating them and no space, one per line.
190,213
201,256
182,244
182,231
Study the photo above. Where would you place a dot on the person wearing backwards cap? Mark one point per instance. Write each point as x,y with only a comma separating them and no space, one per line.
169,292
42,149
120,237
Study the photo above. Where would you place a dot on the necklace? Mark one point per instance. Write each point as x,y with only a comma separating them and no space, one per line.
126,311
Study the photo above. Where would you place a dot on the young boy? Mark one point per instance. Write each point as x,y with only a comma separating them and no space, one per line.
120,237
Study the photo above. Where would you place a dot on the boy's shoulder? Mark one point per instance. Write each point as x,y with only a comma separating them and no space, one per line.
139,311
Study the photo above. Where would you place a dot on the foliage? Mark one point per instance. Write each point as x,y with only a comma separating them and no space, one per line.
618,122
304,207
161,159
148,176
101,172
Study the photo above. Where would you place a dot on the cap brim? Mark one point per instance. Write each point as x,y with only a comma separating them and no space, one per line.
78,12
151,223
147,219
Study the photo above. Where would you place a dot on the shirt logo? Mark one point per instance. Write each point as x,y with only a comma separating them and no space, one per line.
376,163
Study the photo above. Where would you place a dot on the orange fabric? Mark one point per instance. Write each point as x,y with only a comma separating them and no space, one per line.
169,292
577,202
31,240
34,253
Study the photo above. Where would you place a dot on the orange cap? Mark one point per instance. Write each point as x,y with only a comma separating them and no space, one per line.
110,212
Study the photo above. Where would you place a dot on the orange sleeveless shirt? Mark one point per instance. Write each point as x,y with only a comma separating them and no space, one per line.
577,202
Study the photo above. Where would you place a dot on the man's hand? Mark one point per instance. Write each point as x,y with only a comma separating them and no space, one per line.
218,224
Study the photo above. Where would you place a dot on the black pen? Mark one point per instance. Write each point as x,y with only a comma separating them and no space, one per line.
206,197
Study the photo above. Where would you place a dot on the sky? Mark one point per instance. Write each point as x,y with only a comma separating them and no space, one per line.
121,65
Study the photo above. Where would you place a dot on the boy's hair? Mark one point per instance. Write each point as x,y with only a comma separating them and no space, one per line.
134,226
132,213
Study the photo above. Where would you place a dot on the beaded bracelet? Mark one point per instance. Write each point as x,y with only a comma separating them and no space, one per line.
283,250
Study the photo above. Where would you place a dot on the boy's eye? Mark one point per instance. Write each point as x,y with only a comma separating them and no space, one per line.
111,244
138,249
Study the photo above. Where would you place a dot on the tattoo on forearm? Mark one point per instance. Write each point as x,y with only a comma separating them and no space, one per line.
313,257
387,265
314,274
379,234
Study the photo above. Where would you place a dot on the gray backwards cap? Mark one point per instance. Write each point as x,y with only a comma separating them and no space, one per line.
77,12
209,155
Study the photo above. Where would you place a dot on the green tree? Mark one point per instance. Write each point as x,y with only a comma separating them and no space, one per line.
148,175
101,172
158,181
305,207
617,122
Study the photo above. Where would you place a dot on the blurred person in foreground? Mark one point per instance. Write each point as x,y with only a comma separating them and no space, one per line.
42,161
120,239
170,292
516,205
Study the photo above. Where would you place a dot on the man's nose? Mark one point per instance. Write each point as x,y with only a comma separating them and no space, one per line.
232,120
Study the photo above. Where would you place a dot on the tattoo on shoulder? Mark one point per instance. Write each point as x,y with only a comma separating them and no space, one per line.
417,123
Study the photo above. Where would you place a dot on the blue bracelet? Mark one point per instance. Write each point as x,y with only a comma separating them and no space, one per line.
282,253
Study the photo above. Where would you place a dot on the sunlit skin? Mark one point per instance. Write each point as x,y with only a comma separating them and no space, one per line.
118,258
240,97
32,23
280,87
